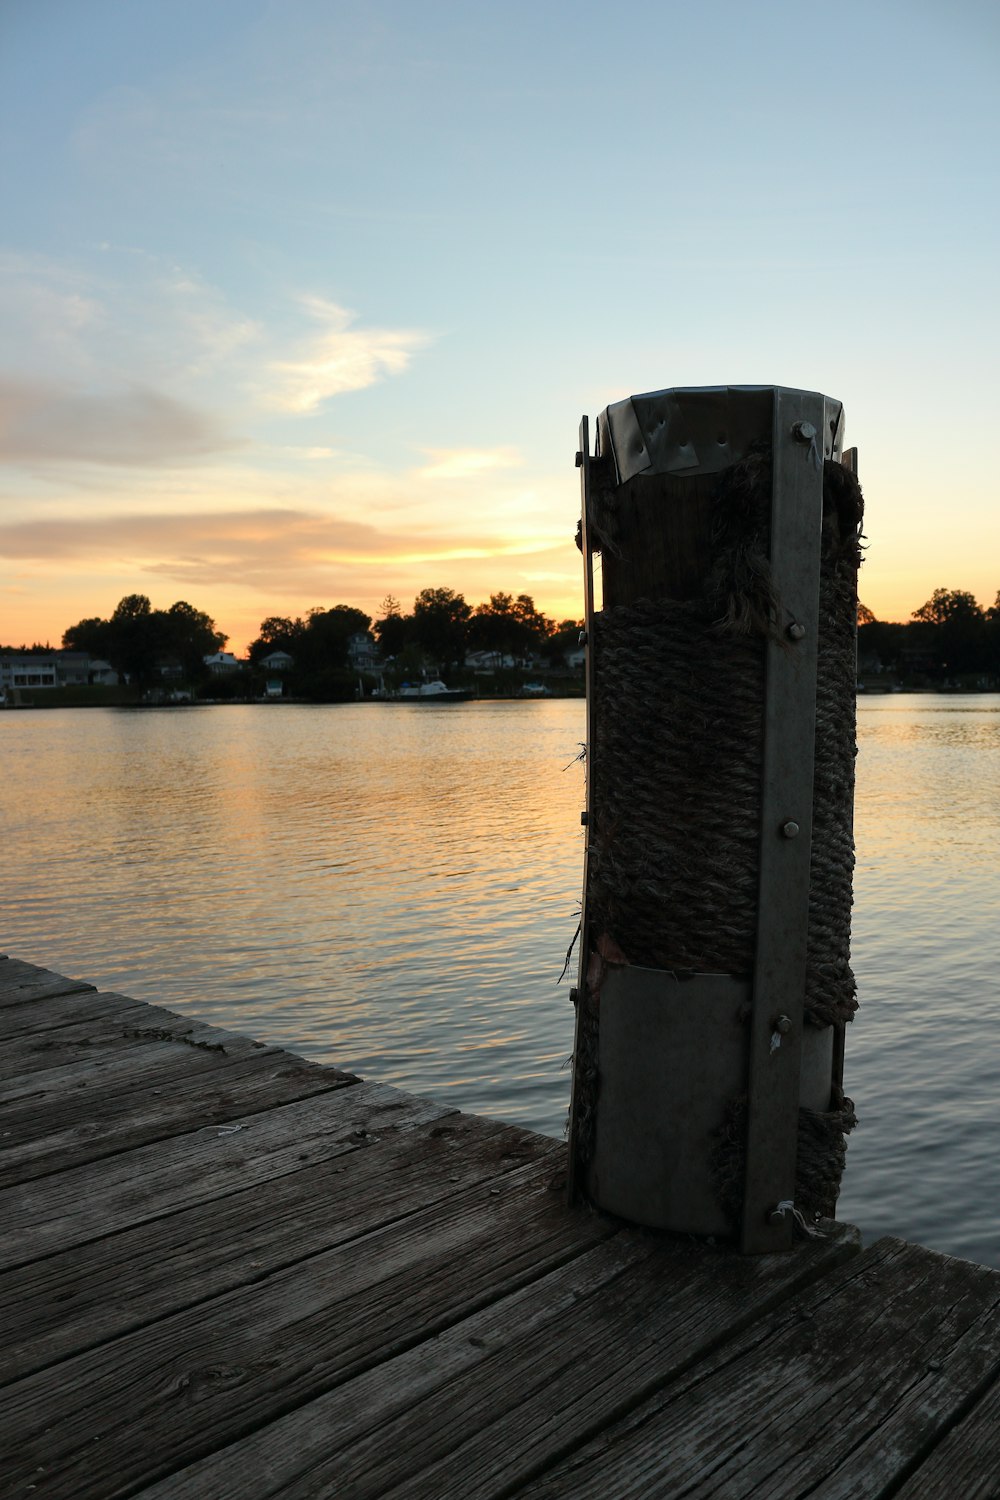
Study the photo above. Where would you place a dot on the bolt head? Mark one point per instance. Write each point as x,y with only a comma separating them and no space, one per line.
804,432
584,819
574,995
583,637
579,460
796,631
790,829
783,1025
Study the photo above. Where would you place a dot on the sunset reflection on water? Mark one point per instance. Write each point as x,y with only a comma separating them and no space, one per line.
388,887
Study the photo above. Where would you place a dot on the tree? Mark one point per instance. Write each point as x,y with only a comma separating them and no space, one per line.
324,642
88,635
440,624
508,626
953,623
866,616
537,625
189,634
993,637
392,630
134,640
277,633
496,628
945,606
132,607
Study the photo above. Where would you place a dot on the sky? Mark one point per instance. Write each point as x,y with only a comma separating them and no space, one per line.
301,301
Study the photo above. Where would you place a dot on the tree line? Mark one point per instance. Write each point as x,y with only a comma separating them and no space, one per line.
441,629
949,640
142,644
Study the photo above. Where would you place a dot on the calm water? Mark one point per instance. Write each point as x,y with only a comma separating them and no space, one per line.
394,888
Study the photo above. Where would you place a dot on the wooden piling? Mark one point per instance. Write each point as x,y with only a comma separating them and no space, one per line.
728,557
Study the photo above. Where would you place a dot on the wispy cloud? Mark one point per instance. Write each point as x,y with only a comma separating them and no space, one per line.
246,563
41,423
466,463
244,546
148,346
339,358
212,331
50,316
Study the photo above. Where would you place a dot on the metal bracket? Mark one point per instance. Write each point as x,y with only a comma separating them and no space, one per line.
583,464
773,1085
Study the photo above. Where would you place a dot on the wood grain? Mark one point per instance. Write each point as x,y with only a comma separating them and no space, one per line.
515,1387
21,983
834,1398
229,1274
216,1372
43,1135
83,1203
60,1306
966,1465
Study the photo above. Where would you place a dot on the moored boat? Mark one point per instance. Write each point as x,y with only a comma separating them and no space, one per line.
434,691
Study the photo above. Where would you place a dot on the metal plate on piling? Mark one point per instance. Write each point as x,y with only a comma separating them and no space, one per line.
672,1060
672,1057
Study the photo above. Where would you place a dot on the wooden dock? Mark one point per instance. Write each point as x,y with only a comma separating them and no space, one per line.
229,1272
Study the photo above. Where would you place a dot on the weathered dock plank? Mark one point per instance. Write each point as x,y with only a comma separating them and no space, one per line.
39,1135
966,1465
136,1066
837,1396
84,1043
229,1274
53,1012
212,1374
84,1203
22,983
512,1388
60,1306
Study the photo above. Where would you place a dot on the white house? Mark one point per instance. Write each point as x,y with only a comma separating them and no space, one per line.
488,661
103,672
277,661
52,669
22,670
362,653
221,662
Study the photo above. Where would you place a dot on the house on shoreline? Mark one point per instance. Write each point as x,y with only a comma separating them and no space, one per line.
52,669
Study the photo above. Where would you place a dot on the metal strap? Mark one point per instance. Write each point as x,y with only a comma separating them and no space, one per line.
786,822
583,463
